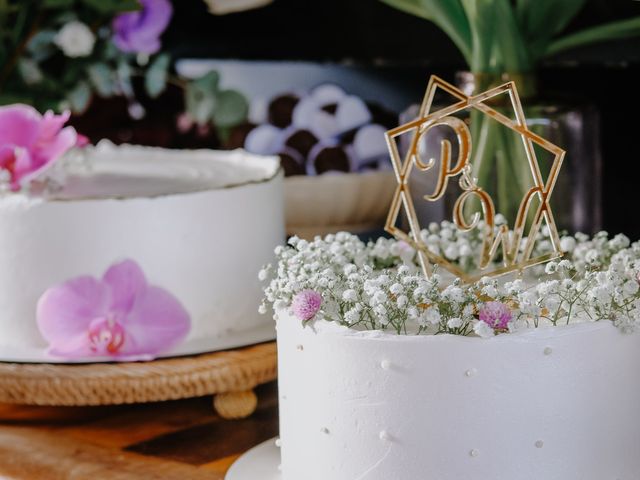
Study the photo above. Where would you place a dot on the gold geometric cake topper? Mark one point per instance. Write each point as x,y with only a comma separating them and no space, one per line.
509,240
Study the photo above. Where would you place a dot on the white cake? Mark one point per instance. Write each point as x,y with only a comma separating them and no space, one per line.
199,223
558,403
386,374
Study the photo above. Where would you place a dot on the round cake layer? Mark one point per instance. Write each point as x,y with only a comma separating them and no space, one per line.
199,223
551,403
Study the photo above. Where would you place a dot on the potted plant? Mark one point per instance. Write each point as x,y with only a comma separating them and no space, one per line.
500,41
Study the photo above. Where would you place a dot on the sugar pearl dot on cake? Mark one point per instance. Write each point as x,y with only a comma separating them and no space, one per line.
474,453
539,444
324,430
471,372
548,351
384,435
278,442
385,364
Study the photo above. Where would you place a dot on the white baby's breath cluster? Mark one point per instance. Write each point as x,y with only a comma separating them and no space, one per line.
379,285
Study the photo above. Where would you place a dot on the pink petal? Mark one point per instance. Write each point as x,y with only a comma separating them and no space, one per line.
64,313
19,125
156,323
127,281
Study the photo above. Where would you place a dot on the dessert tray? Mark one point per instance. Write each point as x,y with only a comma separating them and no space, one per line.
259,463
230,375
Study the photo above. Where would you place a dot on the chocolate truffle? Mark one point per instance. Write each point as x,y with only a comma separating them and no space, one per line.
281,110
331,158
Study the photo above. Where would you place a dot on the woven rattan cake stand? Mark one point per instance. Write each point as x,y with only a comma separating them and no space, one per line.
229,375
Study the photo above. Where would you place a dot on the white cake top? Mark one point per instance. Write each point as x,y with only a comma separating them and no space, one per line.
110,171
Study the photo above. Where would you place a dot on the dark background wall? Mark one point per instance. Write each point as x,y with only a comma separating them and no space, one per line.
367,32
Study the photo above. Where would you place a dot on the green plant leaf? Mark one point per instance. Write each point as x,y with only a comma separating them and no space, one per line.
546,18
512,53
231,109
113,6
446,14
155,79
102,79
200,97
41,46
57,3
79,97
609,31
481,16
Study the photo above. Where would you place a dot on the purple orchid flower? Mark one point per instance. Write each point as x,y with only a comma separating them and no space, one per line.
120,316
140,31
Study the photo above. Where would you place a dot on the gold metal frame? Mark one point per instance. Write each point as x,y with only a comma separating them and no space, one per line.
508,240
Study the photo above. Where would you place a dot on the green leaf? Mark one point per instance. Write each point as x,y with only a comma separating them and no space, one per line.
209,82
113,6
446,14
201,97
513,56
124,73
480,14
609,31
102,79
155,79
79,97
231,109
41,45
199,104
541,20
58,3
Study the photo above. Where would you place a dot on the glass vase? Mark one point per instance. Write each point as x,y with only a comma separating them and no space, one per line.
503,170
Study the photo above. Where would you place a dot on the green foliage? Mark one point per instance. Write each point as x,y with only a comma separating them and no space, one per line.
155,80
34,70
112,6
497,36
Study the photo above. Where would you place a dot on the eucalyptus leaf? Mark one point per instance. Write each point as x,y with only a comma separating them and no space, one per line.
155,80
41,45
231,109
199,103
209,82
102,79
609,31
113,6
30,71
446,14
124,73
79,97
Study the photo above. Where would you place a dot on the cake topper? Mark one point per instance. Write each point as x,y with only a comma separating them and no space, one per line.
516,249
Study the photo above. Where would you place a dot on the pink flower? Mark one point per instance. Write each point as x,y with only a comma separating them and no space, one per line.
140,31
121,316
496,314
29,141
306,304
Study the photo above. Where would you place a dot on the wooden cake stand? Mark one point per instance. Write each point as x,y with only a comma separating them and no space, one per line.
228,375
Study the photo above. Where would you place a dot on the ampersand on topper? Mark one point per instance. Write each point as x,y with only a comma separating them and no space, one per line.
516,256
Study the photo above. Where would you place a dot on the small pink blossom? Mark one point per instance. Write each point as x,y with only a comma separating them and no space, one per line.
306,304
29,142
120,316
496,314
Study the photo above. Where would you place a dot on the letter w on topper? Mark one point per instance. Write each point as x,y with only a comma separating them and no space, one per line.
516,254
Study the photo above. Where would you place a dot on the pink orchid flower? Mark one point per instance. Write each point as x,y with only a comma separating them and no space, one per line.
29,142
120,316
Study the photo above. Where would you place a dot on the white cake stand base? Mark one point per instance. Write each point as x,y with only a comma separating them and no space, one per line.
259,463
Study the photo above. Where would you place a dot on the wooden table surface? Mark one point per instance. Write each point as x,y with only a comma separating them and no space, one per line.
177,440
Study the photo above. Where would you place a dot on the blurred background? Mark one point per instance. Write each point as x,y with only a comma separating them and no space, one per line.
233,66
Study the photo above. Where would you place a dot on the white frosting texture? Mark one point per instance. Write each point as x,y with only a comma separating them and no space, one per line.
557,403
200,224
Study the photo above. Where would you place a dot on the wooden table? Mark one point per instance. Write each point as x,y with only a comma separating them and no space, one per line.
177,440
